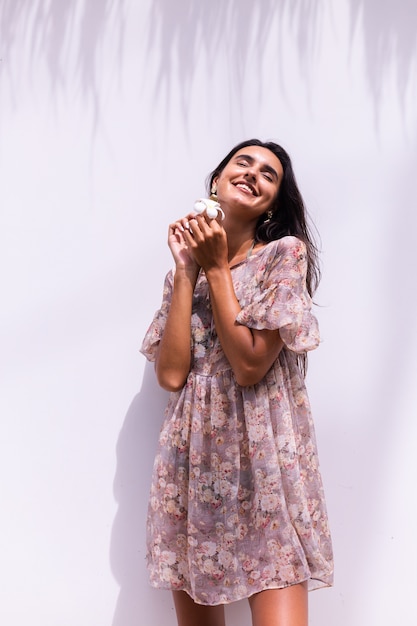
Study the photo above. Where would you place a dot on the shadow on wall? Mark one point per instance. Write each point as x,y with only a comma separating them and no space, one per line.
390,38
135,452
178,30
231,31
50,31
238,28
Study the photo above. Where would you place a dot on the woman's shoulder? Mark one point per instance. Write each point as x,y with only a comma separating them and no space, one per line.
284,245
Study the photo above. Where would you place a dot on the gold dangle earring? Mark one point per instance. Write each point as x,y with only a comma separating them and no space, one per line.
268,217
213,193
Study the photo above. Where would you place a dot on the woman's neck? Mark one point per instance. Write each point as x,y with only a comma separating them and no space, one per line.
239,246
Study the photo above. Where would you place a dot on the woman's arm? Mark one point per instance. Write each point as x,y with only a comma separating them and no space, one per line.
173,358
250,352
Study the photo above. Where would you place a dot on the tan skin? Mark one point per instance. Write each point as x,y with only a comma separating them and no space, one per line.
246,189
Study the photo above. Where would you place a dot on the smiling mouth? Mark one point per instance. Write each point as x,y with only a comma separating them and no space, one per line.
247,188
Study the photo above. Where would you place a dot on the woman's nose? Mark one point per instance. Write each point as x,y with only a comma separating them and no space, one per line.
250,173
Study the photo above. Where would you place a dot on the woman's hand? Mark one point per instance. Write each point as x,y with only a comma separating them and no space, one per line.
173,359
207,242
180,250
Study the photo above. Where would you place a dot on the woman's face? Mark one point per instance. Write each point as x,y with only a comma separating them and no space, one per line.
250,180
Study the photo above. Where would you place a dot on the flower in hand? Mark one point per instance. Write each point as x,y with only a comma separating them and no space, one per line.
211,207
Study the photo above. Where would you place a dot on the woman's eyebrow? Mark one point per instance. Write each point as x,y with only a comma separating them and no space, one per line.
271,170
265,167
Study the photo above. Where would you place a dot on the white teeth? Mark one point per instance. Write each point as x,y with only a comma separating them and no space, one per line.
243,186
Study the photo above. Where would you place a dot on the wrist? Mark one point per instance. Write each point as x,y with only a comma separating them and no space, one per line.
217,272
186,274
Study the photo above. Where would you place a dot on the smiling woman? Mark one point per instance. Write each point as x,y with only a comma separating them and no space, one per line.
287,214
237,507
249,184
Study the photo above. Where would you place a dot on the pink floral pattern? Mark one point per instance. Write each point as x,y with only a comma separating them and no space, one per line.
237,503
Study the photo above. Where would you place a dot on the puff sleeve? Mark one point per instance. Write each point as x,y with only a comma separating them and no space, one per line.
281,300
154,333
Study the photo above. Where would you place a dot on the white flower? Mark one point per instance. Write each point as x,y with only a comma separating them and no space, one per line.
226,559
256,432
154,503
168,557
269,502
208,547
208,566
268,572
218,419
171,490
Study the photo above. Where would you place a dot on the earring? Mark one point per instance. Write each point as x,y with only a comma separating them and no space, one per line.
268,217
213,192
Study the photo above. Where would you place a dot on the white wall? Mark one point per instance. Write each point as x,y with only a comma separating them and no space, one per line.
112,113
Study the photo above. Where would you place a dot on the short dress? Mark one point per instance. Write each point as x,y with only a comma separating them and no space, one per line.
236,503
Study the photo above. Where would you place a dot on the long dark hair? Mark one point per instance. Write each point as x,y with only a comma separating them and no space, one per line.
289,215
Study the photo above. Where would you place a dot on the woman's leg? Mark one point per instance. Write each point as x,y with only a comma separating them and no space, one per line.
189,613
280,607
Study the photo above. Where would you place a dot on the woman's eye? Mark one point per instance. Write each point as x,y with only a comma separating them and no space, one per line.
244,163
268,177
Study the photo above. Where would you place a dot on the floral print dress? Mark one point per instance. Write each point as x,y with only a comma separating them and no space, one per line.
237,503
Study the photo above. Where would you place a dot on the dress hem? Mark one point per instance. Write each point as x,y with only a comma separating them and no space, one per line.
313,585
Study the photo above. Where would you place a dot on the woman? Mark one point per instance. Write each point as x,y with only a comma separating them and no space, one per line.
237,507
